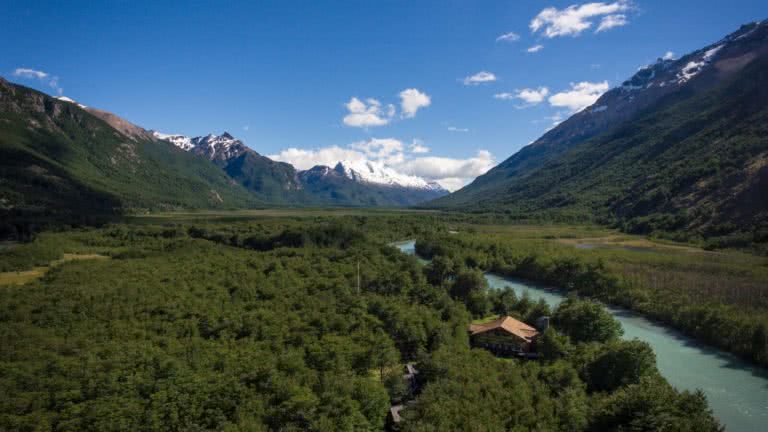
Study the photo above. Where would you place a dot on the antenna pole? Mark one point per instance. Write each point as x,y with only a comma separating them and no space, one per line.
358,276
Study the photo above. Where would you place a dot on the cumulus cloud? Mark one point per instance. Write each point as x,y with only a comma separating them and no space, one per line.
451,173
535,48
417,146
669,55
611,21
508,37
380,149
304,159
44,77
574,19
579,96
531,96
479,78
368,113
457,129
411,100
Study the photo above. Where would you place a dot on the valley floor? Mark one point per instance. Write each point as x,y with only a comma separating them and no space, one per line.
255,320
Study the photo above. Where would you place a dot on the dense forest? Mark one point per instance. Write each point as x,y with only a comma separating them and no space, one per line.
263,325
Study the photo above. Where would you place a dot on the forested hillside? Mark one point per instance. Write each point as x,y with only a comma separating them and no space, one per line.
687,158
61,163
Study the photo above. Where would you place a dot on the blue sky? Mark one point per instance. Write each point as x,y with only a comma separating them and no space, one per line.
281,75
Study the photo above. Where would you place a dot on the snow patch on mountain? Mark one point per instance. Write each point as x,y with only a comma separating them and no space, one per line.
222,147
180,141
69,100
376,173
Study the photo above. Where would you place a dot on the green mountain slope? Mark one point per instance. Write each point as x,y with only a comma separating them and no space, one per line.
692,159
61,161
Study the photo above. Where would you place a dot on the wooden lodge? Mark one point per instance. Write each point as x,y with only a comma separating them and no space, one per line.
505,336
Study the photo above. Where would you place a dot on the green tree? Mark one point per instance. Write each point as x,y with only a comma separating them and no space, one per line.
503,301
620,364
440,270
552,345
586,321
471,288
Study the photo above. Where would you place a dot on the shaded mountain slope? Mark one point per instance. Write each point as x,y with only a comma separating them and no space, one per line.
693,158
61,161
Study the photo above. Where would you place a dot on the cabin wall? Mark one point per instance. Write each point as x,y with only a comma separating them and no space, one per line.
500,341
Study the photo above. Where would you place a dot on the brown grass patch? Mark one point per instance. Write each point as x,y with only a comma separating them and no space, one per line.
23,277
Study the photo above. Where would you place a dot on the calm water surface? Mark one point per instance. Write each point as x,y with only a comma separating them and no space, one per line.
736,390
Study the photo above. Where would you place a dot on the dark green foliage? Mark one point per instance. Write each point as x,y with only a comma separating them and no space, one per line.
652,405
620,364
182,333
470,287
552,345
503,301
586,321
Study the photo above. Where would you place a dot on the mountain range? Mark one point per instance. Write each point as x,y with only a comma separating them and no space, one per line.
62,160
348,183
679,147
682,146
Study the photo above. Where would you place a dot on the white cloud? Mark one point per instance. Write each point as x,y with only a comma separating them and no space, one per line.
479,78
30,73
411,100
306,159
535,48
580,95
528,95
44,77
457,129
380,149
669,55
508,37
574,19
453,183
451,173
417,146
610,21
368,113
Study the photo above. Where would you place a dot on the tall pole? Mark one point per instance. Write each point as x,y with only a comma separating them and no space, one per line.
358,276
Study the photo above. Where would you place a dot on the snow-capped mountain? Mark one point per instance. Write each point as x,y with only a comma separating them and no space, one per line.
694,72
180,141
347,183
637,156
379,174
698,69
225,147
214,147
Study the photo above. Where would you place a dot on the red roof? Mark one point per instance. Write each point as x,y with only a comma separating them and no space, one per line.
507,323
